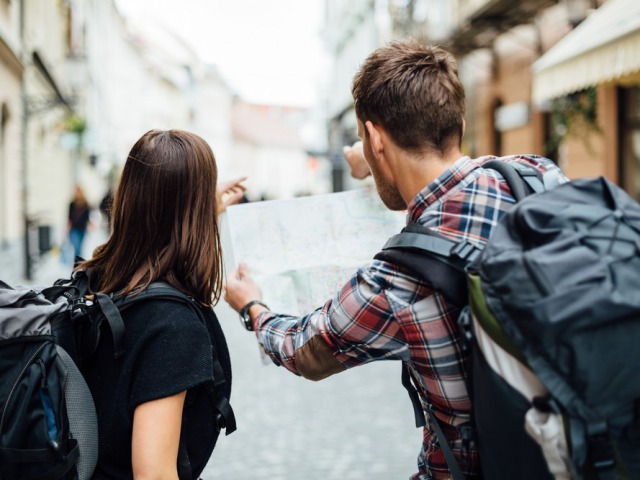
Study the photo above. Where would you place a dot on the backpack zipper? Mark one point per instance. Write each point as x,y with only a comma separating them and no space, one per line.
13,387
47,405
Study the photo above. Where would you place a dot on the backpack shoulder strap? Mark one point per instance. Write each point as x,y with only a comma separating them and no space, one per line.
433,258
452,463
114,319
441,261
164,291
158,291
112,306
522,179
420,238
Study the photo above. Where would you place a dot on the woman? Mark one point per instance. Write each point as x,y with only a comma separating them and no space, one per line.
78,221
154,403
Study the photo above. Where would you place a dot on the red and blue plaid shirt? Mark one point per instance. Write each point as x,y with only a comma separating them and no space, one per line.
383,313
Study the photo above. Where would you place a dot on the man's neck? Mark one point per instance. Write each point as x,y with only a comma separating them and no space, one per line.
416,172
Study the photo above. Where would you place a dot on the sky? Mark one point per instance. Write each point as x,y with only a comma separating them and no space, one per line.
270,51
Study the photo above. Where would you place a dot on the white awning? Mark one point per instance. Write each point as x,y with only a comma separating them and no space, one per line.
605,47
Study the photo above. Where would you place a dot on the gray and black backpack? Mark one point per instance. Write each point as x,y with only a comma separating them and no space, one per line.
550,314
48,423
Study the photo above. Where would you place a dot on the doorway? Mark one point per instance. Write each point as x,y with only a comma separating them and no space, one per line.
4,120
629,163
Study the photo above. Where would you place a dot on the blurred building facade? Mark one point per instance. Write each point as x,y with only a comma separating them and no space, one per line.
11,74
79,85
37,107
591,80
351,31
270,149
555,78
141,76
528,68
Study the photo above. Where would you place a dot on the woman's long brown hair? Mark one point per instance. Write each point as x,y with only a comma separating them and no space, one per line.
165,222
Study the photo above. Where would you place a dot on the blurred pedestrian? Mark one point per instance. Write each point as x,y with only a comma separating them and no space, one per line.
409,105
78,220
160,398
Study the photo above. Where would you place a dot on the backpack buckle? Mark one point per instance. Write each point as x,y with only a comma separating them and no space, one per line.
600,451
467,435
78,307
220,423
546,404
465,251
466,331
56,448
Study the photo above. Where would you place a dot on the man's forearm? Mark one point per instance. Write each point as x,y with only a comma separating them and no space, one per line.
295,343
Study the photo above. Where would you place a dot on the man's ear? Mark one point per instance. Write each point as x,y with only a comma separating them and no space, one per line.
375,139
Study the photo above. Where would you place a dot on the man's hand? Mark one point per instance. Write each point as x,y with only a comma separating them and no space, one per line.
240,288
354,156
230,193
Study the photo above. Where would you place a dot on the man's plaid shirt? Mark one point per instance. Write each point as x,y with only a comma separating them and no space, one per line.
382,313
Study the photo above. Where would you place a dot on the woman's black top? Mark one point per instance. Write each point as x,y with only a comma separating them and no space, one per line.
168,350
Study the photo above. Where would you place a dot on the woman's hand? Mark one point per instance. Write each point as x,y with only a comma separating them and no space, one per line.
230,193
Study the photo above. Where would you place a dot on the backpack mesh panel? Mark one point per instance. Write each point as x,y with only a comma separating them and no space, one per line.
83,421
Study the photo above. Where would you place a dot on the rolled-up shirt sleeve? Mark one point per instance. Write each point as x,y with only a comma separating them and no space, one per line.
359,325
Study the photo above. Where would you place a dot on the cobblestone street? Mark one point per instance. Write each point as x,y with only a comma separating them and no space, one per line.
354,426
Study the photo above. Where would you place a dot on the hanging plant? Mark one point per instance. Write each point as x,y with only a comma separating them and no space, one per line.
74,123
574,115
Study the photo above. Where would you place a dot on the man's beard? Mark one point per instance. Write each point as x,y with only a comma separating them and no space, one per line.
388,192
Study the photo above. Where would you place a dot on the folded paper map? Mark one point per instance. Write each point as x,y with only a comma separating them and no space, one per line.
302,250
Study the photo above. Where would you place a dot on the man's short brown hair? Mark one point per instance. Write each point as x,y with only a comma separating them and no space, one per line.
413,91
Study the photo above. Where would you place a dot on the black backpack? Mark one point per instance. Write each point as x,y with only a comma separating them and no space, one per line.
48,424
550,311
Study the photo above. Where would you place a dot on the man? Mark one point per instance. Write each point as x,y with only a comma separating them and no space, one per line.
409,104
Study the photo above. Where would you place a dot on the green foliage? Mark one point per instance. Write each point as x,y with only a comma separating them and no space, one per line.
574,115
74,123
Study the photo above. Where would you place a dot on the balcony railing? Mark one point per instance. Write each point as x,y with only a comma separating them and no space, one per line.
480,22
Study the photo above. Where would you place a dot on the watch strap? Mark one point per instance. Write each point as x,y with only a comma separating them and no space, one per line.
244,313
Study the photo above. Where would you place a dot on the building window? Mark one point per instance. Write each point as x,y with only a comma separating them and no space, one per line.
496,146
550,147
629,105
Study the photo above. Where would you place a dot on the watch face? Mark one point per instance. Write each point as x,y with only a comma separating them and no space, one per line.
246,322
